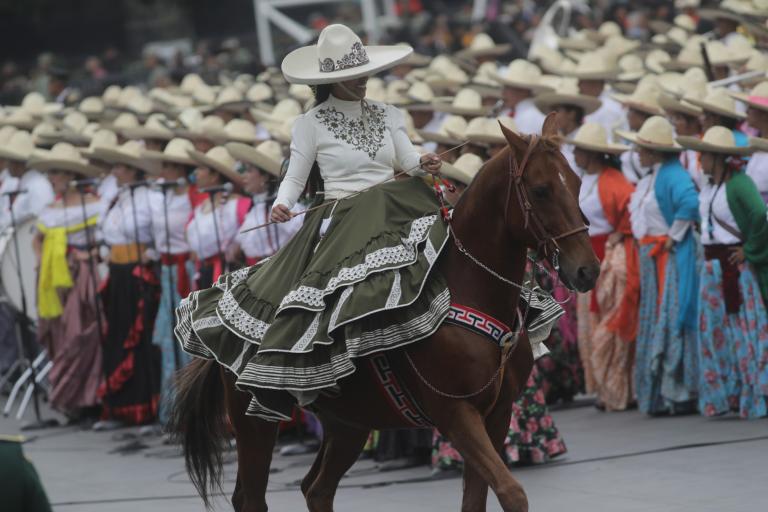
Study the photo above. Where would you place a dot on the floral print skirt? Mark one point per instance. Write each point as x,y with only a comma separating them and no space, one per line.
733,348
532,438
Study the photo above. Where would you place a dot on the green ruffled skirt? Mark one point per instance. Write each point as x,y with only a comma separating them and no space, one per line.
294,324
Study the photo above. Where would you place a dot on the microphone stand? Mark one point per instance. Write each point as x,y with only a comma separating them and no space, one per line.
171,282
23,325
212,197
91,244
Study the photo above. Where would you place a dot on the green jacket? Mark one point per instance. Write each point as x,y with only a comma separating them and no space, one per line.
20,487
751,216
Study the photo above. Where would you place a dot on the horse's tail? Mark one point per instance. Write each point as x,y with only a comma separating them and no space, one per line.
198,422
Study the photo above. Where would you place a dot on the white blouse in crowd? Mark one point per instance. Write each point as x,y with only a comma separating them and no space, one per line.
690,160
757,169
61,216
645,214
179,213
201,232
610,115
589,201
118,226
527,117
264,242
630,166
27,205
107,191
567,149
352,151
714,233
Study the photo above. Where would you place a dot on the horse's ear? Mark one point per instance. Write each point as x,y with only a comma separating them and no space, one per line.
515,141
550,128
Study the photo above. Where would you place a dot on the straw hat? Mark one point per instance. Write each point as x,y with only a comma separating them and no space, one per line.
218,159
259,92
339,55
604,31
267,156
618,45
208,128
689,56
64,157
592,137
105,139
467,102
131,153
451,124
486,130
395,92
655,59
464,169
20,119
176,151
5,134
718,139
643,99
444,73
155,128
121,122
281,132
111,95
19,147
671,103
757,97
721,55
719,102
92,107
631,67
300,92
482,45
419,96
656,134
229,99
523,75
566,94
594,66
578,42
35,105
240,130
410,128
376,90
190,83
284,109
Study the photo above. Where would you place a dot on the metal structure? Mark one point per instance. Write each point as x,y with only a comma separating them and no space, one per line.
267,12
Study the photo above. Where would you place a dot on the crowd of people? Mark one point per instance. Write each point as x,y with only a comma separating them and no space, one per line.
140,196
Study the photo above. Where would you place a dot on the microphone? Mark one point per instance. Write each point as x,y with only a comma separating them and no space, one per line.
84,183
164,185
15,192
226,187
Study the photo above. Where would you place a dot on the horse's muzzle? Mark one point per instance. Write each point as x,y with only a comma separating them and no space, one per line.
586,277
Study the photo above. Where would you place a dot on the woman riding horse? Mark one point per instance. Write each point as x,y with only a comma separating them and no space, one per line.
327,319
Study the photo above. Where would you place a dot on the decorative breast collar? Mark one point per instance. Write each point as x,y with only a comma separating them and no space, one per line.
477,321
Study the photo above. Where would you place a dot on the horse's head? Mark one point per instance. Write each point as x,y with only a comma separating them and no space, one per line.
542,205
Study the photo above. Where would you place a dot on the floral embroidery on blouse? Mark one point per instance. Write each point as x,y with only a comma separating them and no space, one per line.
367,137
357,57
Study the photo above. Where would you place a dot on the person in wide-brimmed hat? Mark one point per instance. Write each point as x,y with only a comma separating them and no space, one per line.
216,174
520,82
756,101
733,278
445,137
353,145
262,168
35,191
593,70
664,211
67,232
719,109
604,199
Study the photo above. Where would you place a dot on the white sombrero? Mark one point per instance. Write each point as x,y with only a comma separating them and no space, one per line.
719,102
155,128
218,159
451,124
464,169
486,130
718,139
19,147
482,45
467,102
339,55
656,134
523,75
757,97
176,151
131,153
267,156
64,157
102,138
566,94
592,137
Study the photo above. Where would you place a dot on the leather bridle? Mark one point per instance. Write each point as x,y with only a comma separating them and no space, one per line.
547,244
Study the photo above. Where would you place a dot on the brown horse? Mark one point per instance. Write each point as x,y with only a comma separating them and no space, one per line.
525,197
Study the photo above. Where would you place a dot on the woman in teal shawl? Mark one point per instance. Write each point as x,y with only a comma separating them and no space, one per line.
733,323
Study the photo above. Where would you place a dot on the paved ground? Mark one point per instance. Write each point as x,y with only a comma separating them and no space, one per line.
621,462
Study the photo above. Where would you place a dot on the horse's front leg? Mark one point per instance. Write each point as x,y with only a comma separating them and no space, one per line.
255,442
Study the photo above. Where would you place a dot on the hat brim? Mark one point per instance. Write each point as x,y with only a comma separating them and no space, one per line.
115,156
708,107
203,159
461,111
254,157
454,173
545,102
670,104
744,98
531,86
611,149
759,143
9,154
699,145
141,132
159,156
438,138
45,164
714,14
627,101
605,75
302,67
634,139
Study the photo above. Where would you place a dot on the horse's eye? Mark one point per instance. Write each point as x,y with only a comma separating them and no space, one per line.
540,192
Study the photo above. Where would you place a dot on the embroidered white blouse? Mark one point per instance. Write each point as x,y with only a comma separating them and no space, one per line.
27,205
179,213
690,160
201,232
610,114
59,216
757,169
352,153
589,201
712,232
262,243
527,117
118,224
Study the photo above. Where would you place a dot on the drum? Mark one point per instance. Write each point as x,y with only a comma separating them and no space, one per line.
9,267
